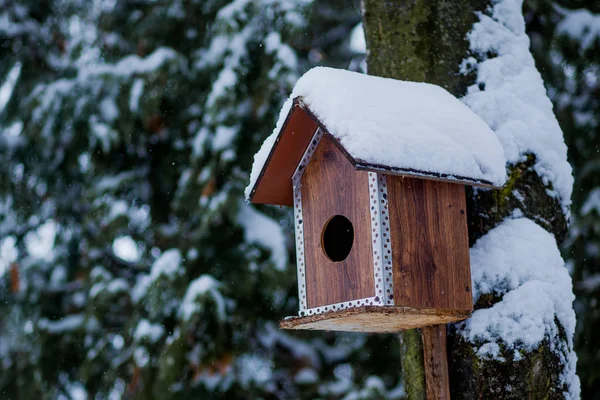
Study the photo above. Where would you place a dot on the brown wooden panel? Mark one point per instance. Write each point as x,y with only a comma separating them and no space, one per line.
331,186
375,319
430,246
274,185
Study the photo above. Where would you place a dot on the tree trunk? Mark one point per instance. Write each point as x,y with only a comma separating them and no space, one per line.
426,40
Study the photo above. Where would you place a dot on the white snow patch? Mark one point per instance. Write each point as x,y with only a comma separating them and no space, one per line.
226,80
374,387
126,248
515,252
140,288
306,376
7,88
147,330
8,253
130,65
592,203
11,28
40,243
114,182
264,231
397,124
272,42
254,368
103,133
204,286
580,25
224,136
109,109
12,134
358,44
141,356
118,342
117,208
167,265
198,142
76,391
68,323
47,95
136,92
513,101
117,285
96,289
58,276
521,261
84,161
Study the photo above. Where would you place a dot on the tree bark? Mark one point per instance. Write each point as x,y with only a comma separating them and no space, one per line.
426,41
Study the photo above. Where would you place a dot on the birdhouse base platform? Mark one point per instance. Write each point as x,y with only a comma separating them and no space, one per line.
375,319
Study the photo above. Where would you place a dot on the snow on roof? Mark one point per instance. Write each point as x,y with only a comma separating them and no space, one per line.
397,125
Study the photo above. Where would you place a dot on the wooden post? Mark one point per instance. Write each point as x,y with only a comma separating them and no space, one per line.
437,383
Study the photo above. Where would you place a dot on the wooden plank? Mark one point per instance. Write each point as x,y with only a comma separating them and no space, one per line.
274,185
380,319
437,383
331,186
430,246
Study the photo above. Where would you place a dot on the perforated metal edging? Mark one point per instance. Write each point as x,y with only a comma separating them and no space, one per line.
383,260
382,255
367,301
299,227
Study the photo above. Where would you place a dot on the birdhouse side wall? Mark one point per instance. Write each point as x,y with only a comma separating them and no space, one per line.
430,245
331,186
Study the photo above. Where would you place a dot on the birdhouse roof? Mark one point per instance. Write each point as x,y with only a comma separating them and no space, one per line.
384,125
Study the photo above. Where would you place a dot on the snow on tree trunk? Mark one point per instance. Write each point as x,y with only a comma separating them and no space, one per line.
565,41
518,343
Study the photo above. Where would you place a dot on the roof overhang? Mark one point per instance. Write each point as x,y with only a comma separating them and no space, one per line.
274,183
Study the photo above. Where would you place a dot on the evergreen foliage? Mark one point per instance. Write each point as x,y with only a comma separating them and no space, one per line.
130,265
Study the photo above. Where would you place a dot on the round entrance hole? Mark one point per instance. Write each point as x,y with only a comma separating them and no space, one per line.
337,238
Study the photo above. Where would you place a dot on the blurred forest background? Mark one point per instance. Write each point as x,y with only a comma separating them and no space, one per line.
130,266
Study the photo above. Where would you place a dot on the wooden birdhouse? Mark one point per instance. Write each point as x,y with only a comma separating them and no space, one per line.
375,170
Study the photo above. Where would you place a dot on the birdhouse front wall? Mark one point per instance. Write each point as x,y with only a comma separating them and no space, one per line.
373,239
331,198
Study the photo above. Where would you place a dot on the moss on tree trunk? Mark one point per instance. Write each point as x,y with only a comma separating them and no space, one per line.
411,353
420,40
426,41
